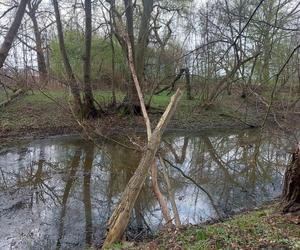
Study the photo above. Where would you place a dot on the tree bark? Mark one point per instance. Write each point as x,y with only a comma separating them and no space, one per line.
38,41
291,189
141,47
120,218
113,56
12,32
89,107
70,75
131,101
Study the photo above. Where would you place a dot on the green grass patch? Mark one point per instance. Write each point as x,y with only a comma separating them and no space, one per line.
261,229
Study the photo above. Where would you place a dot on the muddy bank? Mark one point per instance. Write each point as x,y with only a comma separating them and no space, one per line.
112,124
35,116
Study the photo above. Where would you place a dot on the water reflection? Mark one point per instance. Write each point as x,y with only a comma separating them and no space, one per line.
59,193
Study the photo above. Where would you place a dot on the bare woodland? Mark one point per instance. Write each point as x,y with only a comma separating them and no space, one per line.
193,51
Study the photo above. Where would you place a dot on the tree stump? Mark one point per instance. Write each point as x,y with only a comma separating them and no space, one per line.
291,189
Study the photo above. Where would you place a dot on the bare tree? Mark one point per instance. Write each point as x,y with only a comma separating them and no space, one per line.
12,32
90,110
33,7
75,90
120,218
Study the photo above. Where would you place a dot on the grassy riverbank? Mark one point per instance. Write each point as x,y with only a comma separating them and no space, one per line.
47,113
259,229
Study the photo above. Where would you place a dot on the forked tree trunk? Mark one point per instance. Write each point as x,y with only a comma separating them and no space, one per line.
12,32
291,189
131,101
120,218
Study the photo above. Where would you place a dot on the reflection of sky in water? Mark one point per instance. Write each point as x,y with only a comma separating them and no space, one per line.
35,176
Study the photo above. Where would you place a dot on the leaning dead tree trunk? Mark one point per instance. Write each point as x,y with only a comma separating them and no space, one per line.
291,189
12,32
120,218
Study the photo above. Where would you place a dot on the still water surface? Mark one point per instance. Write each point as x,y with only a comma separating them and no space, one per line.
58,193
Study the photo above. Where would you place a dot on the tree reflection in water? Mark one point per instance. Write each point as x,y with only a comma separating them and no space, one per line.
59,193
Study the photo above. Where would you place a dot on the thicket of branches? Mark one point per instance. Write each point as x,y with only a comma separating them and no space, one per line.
146,47
222,43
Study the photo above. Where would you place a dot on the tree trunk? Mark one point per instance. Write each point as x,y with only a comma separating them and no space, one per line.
131,100
291,189
113,56
39,47
12,32
71,78
141,47
120,218
89,107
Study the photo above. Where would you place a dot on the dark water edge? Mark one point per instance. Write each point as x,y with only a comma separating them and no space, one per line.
58,193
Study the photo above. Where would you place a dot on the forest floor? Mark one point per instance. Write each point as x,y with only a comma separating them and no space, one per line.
263,228
40,114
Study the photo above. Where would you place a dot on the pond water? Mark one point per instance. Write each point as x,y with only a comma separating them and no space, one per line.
58,193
